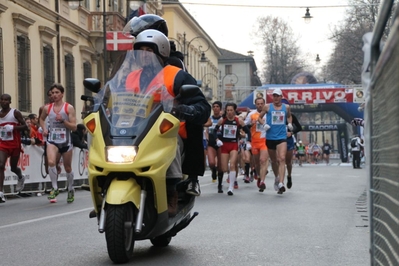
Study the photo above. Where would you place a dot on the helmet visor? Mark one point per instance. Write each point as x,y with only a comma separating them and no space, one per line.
135,26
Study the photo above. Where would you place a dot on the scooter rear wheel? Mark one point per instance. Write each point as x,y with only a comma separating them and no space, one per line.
161,241
119,232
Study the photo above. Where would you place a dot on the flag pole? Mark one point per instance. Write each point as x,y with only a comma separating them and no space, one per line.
105,43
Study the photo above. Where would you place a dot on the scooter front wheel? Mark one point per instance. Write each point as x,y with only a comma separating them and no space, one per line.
119,232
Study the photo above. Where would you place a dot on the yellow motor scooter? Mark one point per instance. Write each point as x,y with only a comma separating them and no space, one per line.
133,138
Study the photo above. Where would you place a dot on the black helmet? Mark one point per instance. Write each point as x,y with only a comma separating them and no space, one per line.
145,22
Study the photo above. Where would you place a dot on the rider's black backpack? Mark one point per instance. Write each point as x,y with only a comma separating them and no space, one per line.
354,143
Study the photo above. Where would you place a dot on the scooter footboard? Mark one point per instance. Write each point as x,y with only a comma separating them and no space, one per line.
123,191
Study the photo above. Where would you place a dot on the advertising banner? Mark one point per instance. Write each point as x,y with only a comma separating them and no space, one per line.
314,95
31,163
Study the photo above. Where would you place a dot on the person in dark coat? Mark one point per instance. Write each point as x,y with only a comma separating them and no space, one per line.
78,137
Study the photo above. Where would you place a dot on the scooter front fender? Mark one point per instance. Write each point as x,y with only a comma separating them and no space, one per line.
123,191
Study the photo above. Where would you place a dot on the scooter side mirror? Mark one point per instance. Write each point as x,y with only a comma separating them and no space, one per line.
92,84
187,91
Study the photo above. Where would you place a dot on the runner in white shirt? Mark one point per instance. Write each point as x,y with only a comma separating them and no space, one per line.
62,120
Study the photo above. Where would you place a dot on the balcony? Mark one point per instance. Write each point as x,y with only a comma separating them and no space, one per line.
114,21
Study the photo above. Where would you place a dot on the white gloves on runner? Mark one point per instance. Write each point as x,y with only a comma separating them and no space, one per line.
290,127
219,143
266,127
248,146
8,128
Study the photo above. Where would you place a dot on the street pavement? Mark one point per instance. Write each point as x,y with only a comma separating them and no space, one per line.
322,220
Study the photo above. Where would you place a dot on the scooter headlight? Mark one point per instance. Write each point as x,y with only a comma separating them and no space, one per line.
121,154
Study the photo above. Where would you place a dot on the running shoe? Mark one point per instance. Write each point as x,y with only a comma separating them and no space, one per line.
2,198
235,184
53,193
214,175
281,188
246,179
20,184
71,196
193,188
256,177
230,193
276,180
262,186
289,182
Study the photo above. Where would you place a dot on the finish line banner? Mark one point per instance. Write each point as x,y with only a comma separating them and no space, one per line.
307,95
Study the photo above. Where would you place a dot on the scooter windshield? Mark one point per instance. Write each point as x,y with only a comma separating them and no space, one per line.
135,90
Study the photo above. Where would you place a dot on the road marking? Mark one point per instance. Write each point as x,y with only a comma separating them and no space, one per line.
44,218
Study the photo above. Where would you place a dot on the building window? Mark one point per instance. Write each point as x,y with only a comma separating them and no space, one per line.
24,79
1,63
70,79
228,69
115,6
48,67
86,4
87,74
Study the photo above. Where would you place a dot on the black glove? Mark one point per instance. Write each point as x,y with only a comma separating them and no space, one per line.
184,112
38,141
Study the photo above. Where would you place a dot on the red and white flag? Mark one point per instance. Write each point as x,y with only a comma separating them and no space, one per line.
117,41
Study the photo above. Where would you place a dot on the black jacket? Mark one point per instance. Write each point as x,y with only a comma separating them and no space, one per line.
194,162
78,139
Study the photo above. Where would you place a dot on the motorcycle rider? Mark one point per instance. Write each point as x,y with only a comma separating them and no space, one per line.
146,22
195,111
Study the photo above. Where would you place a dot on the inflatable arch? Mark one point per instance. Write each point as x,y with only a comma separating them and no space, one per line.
340,99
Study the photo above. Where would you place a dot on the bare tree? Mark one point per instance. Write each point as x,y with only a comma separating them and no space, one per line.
282,60
345,63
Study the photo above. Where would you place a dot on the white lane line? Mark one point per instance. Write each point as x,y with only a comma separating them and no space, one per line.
44,218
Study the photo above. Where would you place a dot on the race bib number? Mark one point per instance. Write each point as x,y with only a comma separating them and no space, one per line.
58,135
230,131
278,118
259,127
6,136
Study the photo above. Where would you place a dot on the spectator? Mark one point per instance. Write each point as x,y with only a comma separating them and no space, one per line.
326,151
34,129
78,137
25,134
356,149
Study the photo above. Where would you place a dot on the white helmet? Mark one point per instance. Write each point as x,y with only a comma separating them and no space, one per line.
154,39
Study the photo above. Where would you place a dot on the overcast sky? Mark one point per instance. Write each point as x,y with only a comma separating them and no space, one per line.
232,27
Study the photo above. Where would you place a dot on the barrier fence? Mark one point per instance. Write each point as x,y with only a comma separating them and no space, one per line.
32,166
382,129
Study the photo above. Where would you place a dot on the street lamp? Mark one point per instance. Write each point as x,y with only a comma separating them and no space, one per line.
186,46
74,5
233,82
318,59
208,90
307,16
203,60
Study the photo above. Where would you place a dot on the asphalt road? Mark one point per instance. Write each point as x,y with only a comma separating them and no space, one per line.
322,220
